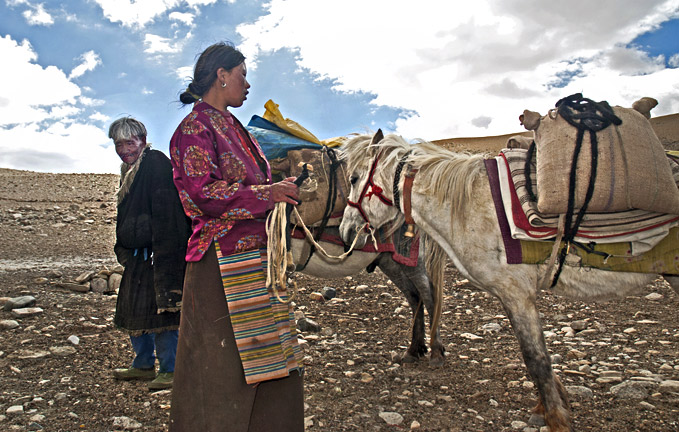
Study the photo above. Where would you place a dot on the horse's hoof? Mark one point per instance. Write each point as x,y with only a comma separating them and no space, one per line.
436,361
537,420
409,358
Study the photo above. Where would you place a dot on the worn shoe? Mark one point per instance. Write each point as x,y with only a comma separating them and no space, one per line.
163,381
134,374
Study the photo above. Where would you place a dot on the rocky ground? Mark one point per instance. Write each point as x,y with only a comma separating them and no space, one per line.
619,359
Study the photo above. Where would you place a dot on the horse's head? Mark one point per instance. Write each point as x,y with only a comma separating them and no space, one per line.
370,203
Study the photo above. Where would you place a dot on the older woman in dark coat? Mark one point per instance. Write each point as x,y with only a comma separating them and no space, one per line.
151,235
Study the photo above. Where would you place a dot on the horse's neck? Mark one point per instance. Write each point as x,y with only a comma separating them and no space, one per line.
435,220
465,235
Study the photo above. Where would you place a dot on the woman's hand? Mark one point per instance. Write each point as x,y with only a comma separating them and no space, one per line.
285,191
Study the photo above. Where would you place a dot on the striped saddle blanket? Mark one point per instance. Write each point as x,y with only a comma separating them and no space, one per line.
640,228
632,240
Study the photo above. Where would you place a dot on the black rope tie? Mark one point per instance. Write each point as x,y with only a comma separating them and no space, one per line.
586,116
329,203
530,154
397,178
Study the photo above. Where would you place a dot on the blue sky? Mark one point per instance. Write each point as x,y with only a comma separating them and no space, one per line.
430,70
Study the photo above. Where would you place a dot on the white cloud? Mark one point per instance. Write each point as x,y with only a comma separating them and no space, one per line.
90,60
37,15
48,87
185,73
38,127
135,13
198,3
61,148
154,44
471,69
89,102
138,13
674,60
97,116
183,17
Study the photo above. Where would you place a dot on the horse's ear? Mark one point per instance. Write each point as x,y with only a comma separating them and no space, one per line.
530,119
645,105
379,136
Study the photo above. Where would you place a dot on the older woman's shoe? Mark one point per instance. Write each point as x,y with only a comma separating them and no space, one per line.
134,374
163,381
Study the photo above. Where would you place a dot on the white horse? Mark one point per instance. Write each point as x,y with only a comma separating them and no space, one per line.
451,201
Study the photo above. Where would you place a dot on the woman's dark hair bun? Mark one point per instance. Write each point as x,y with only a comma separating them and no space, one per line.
189,96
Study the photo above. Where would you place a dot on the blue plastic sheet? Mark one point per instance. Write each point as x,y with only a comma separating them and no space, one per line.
274,141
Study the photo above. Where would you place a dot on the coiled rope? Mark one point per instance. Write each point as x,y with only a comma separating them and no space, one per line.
279,255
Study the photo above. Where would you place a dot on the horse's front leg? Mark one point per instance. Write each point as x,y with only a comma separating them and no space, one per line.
525,319
426,292
394,271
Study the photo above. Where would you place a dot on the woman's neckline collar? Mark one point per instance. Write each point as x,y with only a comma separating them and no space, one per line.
203,104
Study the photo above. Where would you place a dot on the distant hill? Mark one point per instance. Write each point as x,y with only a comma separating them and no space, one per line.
666,127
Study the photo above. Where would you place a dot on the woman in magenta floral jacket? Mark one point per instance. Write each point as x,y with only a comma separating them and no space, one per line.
238,364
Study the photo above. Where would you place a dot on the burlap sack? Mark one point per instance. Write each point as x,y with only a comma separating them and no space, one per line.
314,191
633,171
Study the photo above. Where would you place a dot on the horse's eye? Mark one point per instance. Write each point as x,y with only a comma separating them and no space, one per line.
353,179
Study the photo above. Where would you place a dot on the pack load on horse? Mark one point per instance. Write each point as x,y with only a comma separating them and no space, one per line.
288,146
457,200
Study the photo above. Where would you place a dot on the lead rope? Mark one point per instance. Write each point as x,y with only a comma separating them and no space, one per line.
310,236
277,254
280,261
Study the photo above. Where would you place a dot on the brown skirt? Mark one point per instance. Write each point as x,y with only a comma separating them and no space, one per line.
209,392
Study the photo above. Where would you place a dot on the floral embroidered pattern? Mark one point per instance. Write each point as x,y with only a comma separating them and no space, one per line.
190,208
219,123
237,214
220,190
196,162
262,192
249,243
232,168
213,229
174,152
190,126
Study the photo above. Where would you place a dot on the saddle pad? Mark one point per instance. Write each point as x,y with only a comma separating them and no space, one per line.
642,229
664,259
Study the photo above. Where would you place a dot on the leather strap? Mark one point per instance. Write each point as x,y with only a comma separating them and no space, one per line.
407,191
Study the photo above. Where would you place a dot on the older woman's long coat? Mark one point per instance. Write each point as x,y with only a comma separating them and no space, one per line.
151,236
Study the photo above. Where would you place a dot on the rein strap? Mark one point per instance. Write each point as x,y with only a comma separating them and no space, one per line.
407,192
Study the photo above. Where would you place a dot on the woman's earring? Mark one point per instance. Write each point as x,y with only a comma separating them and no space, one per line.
223,85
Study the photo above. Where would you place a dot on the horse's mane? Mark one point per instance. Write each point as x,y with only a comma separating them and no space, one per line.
449,175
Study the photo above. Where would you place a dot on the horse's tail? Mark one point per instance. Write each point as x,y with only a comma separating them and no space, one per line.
435,264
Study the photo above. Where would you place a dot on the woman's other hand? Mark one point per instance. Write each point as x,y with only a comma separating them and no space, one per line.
285,191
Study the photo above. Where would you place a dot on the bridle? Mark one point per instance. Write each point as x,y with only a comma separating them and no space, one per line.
370,189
